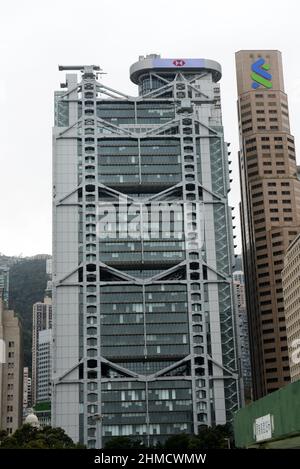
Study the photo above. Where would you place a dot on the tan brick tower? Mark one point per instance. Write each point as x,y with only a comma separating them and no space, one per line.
270,209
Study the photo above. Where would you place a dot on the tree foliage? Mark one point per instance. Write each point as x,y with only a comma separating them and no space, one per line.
28,437
217,437
27,283
124,442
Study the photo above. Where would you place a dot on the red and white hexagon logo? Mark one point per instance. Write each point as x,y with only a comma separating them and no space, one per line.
178,62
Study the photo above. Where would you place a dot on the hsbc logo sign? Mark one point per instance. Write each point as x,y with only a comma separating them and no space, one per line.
178,62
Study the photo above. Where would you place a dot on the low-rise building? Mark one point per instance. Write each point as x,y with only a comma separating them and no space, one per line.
43,412
272,422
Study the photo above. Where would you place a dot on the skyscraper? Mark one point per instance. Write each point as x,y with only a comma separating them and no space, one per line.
270,209
143,338
11,369
4,283
41,320
242,333
26,390
44,366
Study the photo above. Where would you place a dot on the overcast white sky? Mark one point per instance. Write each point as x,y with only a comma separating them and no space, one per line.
36,36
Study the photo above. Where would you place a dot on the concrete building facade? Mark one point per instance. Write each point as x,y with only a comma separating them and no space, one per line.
44,366
270,209
144,339
242,334
291,295
41,320
26,390
11,370
4,283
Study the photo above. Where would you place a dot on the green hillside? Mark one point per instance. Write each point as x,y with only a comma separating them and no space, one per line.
27,283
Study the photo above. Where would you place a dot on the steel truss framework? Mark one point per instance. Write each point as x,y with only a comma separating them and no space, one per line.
206,372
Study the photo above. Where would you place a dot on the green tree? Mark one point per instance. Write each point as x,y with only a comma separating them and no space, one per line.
179,442
213,438
27,283
124,442
217,437
3,434
46,438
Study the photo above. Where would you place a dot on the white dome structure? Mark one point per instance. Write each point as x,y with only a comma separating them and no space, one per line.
32,420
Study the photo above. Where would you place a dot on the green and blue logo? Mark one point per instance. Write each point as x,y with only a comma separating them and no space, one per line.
260,75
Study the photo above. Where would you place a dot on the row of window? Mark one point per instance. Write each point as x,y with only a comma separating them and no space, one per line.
269,172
